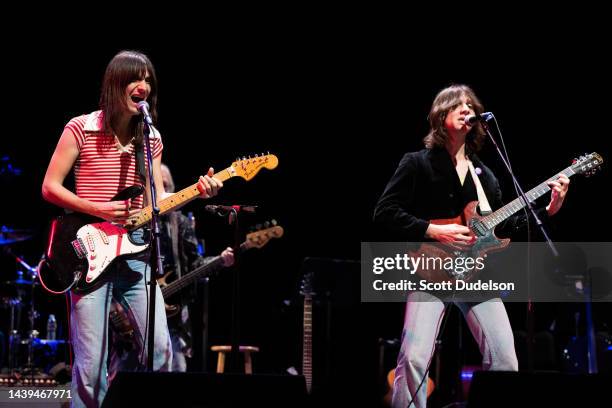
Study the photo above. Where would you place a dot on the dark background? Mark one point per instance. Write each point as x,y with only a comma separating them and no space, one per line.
339,112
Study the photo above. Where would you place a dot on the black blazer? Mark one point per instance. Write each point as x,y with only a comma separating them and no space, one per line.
426,186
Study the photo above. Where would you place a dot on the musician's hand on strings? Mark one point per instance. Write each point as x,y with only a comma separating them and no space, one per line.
228,256
559,189
208,185
451,234
115,211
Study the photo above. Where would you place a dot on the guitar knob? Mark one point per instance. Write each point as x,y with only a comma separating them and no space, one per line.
92,256
92,267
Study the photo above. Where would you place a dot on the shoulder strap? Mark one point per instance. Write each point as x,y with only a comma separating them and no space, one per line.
140,166
483,203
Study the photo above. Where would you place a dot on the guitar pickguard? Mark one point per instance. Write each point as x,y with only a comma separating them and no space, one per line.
104,242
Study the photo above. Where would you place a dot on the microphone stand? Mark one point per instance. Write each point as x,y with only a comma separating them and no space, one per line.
232,213
157,268
530,312
235,351
591,340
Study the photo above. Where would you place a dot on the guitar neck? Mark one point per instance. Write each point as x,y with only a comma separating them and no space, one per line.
307,342
215,264
176,200
517,204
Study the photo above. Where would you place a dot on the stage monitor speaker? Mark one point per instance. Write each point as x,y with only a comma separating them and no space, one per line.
539,389
205,390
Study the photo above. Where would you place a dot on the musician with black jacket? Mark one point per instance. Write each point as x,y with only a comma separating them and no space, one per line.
437,183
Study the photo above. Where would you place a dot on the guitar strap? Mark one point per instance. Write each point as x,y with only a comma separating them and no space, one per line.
173,217
140,166
483,203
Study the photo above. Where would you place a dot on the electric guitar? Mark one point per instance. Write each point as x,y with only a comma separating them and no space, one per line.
255,239
81,247
483,227
119,319
307,333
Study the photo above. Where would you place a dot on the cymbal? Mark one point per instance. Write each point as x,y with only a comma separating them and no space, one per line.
10,235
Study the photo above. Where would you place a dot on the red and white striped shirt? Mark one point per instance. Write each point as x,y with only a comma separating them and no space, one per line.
103,167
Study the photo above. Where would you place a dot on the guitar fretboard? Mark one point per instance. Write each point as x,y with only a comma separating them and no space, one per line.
175,200
517,204
307,342
215,264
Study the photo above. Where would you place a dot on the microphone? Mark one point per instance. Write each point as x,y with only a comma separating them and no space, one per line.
471,119
216,209
143,107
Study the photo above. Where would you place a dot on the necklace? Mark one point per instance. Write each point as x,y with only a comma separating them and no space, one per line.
122,148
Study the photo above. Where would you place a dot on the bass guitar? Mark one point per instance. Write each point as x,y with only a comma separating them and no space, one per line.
120,321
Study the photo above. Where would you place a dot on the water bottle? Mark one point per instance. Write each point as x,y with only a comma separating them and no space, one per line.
51,327
192,221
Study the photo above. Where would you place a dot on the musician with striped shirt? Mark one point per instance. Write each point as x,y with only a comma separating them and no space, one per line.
101,146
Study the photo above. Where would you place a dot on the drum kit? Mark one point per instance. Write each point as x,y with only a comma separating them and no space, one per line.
16,297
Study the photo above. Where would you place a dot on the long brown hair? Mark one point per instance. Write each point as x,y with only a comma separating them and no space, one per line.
446,100
124,68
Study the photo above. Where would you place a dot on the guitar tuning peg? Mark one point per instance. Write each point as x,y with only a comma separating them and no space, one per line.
256,155
274,223
266,224
257,226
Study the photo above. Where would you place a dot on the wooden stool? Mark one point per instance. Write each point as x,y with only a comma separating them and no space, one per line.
247,350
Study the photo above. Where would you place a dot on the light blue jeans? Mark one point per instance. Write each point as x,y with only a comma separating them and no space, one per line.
488,322
89,330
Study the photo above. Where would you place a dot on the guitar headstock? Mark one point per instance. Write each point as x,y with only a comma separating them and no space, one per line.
261,237
306,288
587,164
248,167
